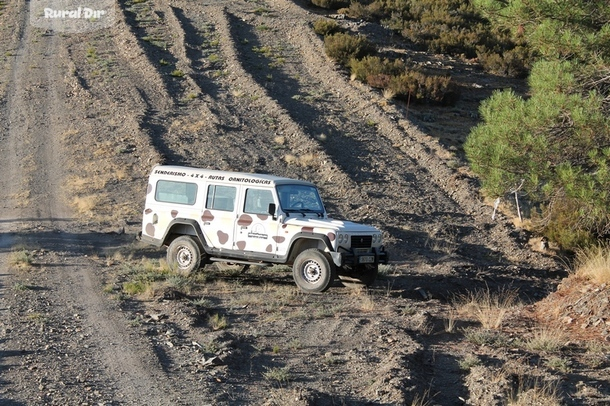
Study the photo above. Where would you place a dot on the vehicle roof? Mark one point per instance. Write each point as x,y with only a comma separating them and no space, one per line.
184,172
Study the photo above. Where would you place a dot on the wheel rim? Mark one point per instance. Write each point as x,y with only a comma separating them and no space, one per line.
312,271
184,257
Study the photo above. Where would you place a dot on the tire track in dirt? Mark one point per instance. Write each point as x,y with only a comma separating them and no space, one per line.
355,181
33,114
321,168
242,135
37,114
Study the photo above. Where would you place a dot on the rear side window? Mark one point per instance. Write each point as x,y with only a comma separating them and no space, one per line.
220,198
169,191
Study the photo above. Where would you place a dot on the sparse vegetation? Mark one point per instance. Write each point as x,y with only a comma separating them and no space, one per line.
218,322
547,340
487,307
481,336
325,27
469,361
228,328
177,73
21,259
536,393
20,287
593,263
278,375
559,364
344,47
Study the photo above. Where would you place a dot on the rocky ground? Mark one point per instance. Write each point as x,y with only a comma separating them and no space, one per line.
246,86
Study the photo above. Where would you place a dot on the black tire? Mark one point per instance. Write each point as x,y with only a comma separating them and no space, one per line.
184,255
313,271
361,275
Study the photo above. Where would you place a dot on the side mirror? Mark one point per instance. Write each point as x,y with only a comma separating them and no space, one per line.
271,210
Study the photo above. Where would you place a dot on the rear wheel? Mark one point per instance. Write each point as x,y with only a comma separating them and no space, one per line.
184,255
313,271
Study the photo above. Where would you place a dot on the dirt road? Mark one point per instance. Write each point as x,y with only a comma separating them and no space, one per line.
245,86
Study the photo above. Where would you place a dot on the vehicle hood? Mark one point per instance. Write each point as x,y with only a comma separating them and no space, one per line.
338,226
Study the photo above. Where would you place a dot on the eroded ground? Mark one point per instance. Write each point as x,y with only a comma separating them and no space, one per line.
245,86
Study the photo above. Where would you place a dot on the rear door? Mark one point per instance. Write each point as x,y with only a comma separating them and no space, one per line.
219,214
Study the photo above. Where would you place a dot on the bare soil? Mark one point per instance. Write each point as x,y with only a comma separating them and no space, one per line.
245,85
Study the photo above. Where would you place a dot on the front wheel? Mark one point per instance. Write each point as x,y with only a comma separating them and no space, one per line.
313,272
184,255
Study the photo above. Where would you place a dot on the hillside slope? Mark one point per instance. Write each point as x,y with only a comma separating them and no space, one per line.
243,86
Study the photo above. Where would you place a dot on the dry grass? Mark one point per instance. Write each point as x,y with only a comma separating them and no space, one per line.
547,340
469,361
489,308
194,127
218,322
536,393
278,375
291,159
450,321
77,184
21,199
367,303
593,263
21,260
306,160
525,389
85,204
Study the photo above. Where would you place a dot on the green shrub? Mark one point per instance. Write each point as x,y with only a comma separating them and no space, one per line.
445,26
514,62
556,142
343,47
373,66
417,86
368,12
454,27
331,4
402,83
325,27
563,223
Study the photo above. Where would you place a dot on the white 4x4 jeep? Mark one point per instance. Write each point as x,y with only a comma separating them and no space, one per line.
205,216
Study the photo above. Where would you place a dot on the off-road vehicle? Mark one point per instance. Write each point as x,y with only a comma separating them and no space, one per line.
205,216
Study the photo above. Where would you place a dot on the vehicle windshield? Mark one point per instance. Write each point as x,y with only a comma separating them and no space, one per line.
300,198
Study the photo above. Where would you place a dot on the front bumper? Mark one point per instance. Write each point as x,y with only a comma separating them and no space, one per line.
351,258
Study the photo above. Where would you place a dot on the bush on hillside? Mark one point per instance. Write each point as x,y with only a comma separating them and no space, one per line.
514,63
330,4
417,86
371,66
455,27
359,11
325,27
343,47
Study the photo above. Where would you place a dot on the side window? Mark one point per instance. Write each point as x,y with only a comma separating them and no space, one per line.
220,198
168,191
257,201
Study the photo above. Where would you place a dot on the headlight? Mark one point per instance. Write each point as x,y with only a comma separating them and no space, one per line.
340,238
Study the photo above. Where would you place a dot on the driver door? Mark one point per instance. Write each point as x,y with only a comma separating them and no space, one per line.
256,229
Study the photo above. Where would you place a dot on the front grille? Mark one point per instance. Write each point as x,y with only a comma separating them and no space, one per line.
361,241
